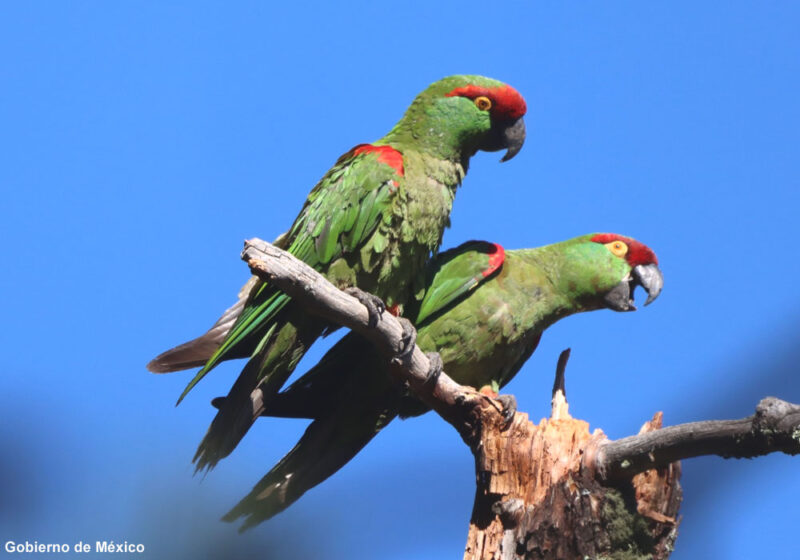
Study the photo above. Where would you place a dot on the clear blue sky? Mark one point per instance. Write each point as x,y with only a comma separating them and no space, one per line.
140,143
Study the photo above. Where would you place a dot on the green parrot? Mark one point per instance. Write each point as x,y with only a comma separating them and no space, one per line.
484,312
371,223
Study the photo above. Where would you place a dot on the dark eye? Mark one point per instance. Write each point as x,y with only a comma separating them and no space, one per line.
483,103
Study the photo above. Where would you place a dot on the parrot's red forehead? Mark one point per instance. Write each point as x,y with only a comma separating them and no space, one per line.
506,101
638,253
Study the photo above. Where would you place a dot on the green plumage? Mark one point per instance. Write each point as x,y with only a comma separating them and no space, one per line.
373,221
484,321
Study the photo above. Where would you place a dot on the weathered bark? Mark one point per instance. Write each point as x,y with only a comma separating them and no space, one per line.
536,499
552,490
772,428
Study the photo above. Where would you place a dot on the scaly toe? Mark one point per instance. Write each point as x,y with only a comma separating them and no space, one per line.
435,369
374,304
509,403
408,340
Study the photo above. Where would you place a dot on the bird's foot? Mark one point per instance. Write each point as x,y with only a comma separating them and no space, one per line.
408,341
508,404
374,304
435,369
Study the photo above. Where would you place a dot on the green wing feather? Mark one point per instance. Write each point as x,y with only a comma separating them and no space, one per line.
455,273
341,213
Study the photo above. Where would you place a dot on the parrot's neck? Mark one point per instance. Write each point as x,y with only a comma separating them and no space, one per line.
426,135
570,280
558,282
532,280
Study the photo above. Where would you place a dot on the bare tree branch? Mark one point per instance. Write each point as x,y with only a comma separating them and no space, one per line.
774,427
323,299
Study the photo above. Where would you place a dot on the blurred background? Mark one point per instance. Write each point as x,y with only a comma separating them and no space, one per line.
141,143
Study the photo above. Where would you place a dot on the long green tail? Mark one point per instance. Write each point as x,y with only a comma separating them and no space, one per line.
265,373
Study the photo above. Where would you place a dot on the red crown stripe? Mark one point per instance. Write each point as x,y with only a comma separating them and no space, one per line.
638,253
506,101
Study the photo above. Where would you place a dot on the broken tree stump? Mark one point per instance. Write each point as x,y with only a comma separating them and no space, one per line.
536,498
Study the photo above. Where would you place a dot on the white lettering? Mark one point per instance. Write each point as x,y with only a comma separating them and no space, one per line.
29,547
111,546
35,546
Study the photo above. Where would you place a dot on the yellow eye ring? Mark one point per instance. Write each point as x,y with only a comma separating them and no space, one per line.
618,248
483,103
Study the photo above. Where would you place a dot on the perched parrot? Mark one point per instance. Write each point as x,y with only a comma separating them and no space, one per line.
484,312
371,223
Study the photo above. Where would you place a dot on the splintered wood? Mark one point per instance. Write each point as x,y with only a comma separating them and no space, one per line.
535,500
655,490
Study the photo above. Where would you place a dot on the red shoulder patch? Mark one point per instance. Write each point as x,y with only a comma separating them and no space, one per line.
386,155
638,253
496,259
506,101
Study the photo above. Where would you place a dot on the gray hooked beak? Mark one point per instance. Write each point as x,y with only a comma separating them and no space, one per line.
648,276
514,136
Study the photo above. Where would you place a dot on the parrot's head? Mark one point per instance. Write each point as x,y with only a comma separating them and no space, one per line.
602,270
459,115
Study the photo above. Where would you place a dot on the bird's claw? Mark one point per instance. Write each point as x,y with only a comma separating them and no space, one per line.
408,340
374,304
509,403
435,369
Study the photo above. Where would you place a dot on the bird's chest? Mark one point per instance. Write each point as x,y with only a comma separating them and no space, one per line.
419,215
424,211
